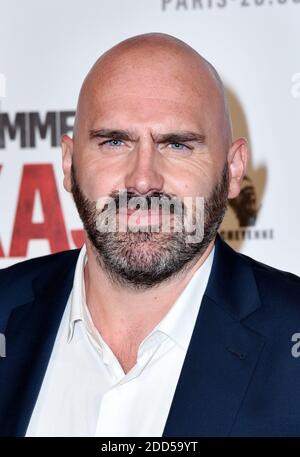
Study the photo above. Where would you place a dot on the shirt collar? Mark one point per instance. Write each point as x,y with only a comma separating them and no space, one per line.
177,324
78,297
180,320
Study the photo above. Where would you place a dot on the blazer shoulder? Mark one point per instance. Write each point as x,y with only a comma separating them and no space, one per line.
274,284
16,281
268,272
20,275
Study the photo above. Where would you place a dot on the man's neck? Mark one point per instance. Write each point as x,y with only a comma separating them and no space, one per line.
121,313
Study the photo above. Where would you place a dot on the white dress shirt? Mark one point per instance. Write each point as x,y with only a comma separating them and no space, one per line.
85,391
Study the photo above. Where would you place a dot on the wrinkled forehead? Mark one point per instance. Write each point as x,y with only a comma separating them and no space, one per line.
150,80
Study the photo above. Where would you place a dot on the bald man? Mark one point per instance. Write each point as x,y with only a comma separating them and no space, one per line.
155,327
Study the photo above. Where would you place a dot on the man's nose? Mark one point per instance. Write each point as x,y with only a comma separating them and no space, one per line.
144,173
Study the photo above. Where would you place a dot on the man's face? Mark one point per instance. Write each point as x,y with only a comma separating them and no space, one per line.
149,128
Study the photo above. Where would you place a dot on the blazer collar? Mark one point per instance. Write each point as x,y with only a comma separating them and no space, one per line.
222,354
232,284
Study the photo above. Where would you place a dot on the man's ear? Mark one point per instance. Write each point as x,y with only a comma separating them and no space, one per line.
67,155
237,163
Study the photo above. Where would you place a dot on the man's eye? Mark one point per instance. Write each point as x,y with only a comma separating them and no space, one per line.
114,143
178,146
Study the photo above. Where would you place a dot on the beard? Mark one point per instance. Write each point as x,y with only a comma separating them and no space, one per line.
142,260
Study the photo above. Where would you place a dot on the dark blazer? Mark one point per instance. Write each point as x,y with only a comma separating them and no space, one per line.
239,376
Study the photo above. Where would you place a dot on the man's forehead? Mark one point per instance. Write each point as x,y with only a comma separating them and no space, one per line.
141,111
150,89
148,93
150,69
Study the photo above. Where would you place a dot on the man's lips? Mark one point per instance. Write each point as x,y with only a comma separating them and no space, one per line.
142,217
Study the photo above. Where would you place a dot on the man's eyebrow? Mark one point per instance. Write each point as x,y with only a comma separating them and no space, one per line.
127,135
112,133
179,137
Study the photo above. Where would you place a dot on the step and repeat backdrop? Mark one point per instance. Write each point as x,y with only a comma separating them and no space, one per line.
46,49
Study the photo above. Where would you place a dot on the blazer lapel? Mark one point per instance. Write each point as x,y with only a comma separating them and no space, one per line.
30,336
222,354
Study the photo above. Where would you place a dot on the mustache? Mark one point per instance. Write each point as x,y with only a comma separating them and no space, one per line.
121,198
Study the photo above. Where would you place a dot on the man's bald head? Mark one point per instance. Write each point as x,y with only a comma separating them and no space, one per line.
160,57
152,120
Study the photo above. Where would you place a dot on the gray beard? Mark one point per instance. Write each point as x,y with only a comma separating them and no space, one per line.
142,260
